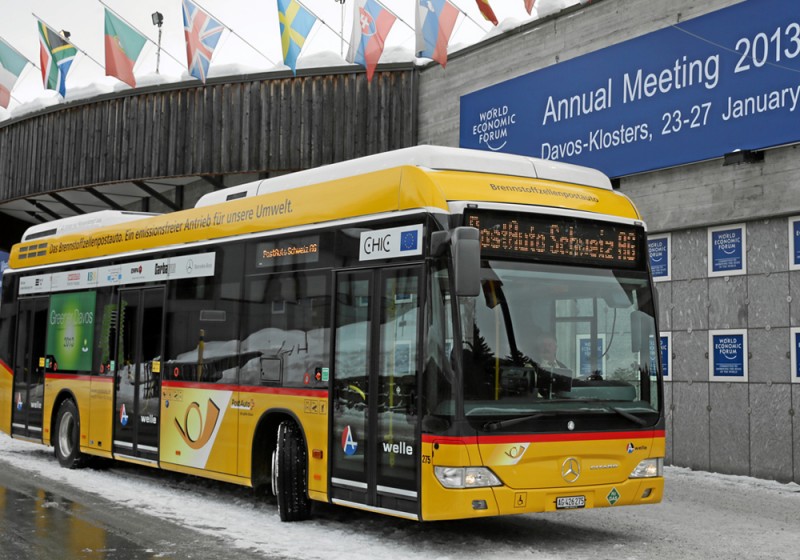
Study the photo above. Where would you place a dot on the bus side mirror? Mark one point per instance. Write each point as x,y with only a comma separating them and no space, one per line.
466,249
465,245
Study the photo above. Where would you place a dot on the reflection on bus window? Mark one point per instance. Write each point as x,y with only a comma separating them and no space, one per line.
602,321
286,332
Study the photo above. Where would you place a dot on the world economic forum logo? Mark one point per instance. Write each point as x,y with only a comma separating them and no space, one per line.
729,347
493,127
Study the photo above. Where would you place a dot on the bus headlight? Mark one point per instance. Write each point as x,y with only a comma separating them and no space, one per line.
649,468
466,477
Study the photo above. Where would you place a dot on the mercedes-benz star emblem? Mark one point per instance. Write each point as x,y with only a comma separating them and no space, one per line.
571,470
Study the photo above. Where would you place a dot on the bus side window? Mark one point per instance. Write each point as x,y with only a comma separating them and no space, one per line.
286,329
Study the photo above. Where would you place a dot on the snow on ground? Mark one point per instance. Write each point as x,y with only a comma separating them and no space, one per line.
704,516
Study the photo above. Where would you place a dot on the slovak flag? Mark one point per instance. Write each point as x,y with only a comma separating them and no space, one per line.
371,26
529,5
435,22
202,35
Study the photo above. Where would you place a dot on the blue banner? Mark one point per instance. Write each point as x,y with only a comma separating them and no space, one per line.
729,356
796,342
695,90
665,358
727,251
659,257
794,245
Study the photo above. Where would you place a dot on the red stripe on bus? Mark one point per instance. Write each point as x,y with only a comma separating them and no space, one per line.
541,438
72,377
318,393
5,365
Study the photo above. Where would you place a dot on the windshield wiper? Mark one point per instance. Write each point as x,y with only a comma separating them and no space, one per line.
497,424
621,411
625,414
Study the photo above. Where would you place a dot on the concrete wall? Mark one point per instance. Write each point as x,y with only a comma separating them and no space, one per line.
740,428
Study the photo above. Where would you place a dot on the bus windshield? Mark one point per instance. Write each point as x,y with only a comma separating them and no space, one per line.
543,343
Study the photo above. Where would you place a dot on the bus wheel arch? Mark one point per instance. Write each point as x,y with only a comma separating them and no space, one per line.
66,432
293,502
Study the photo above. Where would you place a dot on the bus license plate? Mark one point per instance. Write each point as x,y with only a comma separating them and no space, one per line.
571,502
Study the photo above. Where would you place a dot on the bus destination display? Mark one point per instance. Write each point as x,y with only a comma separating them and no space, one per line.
288,251
557,238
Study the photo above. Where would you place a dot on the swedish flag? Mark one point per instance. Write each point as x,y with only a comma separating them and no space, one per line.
296,23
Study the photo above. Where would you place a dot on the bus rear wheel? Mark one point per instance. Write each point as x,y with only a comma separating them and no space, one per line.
68,430
290,474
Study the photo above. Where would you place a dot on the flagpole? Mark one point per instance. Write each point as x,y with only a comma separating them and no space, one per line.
180,62
246,42
469,17
10,46
322,21
70,42
411,27
341,31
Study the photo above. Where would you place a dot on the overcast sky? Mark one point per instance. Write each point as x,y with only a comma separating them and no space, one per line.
254,25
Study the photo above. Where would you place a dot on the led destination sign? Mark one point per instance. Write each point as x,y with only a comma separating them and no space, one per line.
558,238
285,252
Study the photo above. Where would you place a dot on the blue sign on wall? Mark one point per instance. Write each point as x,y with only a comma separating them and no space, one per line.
794,243
795,332
666,357
728,352
658,247
692,91
585,364
726,250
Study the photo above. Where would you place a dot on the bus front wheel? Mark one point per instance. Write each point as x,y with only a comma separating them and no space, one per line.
290,474
68,430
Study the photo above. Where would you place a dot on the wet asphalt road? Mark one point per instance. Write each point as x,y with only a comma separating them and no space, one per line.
43,519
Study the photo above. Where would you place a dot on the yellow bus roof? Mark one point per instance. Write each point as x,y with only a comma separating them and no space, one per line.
358,188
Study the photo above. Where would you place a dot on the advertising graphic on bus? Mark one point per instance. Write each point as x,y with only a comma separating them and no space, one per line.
430,333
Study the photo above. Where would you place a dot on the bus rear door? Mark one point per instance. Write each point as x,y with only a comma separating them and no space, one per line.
138,373
29,368
374,440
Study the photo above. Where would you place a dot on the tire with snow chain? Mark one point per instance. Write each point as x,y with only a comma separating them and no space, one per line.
290,474
67,436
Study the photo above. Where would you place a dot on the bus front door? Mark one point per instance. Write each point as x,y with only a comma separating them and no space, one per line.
374,440
137,381
29,368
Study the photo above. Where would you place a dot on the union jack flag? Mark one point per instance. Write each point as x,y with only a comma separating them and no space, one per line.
202,35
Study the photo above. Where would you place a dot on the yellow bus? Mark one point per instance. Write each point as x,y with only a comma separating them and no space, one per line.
371,333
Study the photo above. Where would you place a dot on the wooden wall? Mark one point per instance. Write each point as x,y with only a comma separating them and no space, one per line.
257,123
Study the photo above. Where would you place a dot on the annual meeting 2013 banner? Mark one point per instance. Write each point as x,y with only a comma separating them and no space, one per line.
726,81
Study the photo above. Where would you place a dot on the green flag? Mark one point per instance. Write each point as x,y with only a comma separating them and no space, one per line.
123,46
11,65
56,55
